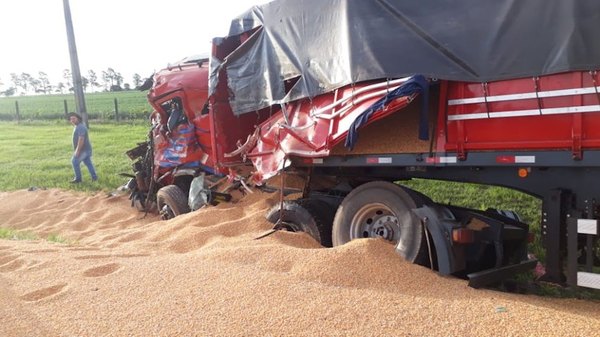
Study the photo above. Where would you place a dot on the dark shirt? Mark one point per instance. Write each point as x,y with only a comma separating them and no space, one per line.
81,131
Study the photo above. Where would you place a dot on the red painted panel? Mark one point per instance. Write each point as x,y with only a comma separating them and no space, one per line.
556,131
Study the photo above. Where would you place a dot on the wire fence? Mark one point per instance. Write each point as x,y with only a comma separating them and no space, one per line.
100,106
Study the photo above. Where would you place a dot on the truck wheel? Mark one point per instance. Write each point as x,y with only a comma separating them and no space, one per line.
311,216
381,209
171,202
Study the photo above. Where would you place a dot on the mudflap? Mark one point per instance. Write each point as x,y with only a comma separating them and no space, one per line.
489,276
452,257
440,224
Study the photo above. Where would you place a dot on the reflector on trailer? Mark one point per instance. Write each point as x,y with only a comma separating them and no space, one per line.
515,159
379,160
441,160
523,173
463,235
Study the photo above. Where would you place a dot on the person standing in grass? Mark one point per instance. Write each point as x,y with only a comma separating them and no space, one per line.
82,149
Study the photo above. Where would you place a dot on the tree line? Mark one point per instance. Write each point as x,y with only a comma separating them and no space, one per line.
109,80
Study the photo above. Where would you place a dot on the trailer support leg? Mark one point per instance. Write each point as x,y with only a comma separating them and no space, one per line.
572,252
553,215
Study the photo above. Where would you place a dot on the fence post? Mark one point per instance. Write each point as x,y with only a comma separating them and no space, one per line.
116,110
66,108
17,110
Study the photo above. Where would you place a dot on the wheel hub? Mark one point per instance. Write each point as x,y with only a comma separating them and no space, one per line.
384,227
166,213
376,221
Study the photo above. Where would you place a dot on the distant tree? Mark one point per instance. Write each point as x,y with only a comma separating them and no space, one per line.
9,92
16,81
84,83
137,80
60,88
36,85
45,85
112,80
68,79
119,79
107,79
93,79
126,87
25,81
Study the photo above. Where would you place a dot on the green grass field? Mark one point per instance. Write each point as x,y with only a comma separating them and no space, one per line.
131,104
38,154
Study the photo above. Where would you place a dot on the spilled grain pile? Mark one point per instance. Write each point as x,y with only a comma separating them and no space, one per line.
203,274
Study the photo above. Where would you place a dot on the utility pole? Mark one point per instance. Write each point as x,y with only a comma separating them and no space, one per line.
77,83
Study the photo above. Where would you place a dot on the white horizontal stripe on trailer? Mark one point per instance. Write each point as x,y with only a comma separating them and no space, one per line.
587,226
448,160
527,95
525,159
524,113
317,161
588,280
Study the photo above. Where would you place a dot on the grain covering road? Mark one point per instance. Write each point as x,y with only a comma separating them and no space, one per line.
203,274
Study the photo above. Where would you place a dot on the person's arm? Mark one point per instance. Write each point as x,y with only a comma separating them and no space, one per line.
79,147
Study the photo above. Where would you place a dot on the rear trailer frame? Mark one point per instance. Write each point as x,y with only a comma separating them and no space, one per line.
567,188
581,273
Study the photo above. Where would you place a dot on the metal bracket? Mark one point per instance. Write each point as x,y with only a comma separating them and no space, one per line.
484,277
555,207
536,80
484,85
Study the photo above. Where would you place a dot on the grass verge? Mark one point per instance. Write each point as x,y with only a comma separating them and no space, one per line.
38,154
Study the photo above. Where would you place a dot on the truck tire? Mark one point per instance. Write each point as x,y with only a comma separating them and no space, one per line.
311,216
381,209
171,202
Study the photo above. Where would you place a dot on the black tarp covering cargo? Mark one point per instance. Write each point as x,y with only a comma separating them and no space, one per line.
326,44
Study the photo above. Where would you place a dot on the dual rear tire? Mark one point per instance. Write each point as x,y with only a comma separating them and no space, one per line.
373,210
383,210
312,216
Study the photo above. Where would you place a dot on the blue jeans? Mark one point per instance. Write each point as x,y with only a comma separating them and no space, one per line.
86,158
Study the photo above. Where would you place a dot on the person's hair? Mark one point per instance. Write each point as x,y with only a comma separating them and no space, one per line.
73,114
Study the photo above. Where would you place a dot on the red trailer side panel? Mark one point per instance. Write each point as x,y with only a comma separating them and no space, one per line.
550,112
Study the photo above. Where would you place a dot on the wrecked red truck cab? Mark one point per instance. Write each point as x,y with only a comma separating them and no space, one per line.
177,158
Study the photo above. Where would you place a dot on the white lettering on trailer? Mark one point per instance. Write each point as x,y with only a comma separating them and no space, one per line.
589,280
587,226
525,159
317,161
528,95
523,113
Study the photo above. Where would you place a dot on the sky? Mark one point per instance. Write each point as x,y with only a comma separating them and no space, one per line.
130,36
